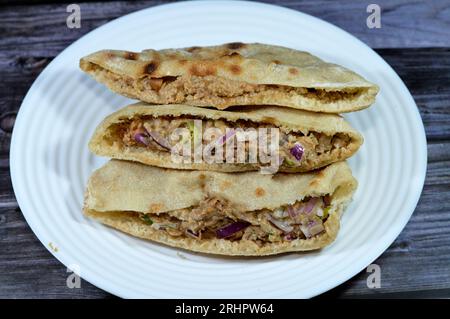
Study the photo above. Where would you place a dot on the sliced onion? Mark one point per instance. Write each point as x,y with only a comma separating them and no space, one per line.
297,151
284,226
316,229
231,229
299,210
280,213
221,140
311,229
192,234
292,212
224,138
310,205
161,141
319,212
141,138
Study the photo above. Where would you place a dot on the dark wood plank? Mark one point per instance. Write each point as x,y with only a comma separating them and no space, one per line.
27,269
426,72
41,30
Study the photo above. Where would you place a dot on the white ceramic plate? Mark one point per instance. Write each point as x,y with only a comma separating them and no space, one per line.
50,161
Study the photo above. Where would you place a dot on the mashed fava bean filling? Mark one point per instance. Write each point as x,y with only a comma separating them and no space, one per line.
295,148
213,218
213,90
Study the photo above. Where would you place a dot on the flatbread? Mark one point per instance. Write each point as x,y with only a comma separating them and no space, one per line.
232,74
105,141
119,189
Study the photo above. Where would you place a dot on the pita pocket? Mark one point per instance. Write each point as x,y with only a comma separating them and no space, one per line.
232,74
247,214
296,141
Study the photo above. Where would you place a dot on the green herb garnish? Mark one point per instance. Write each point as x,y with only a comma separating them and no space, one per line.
326,212
147,219
195,134
289,162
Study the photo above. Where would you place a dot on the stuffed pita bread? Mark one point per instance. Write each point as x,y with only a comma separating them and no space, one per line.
232,74
305,141
230,214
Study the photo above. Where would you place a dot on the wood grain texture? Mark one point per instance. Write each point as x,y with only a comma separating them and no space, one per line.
416,265
41,30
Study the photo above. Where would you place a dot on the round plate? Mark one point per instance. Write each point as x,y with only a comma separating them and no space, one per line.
50,160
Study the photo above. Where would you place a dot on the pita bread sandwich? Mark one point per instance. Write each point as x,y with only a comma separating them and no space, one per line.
291,140
231,74
246,213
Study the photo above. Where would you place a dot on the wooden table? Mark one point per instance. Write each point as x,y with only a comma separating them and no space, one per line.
415,41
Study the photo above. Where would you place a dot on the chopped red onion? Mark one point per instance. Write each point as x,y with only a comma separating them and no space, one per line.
310,205
280,213
319,212
141,138
191,234
224,138
284,226
292,212
316,229
161,141
221,140
297,151
231,229
312,228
